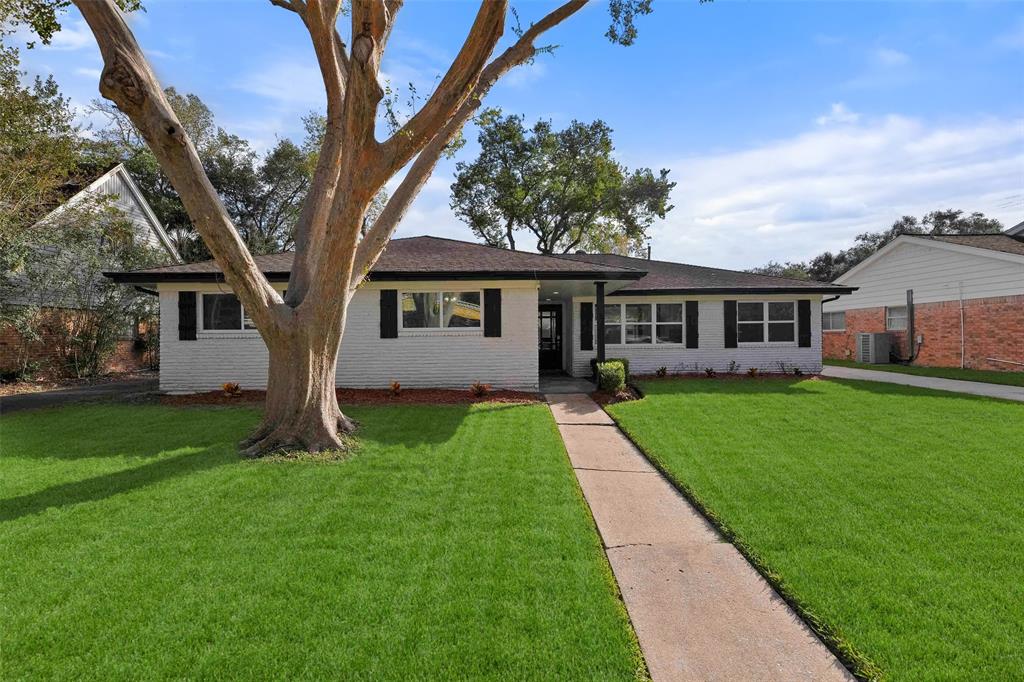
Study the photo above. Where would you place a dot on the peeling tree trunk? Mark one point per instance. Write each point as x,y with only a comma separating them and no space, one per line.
301,410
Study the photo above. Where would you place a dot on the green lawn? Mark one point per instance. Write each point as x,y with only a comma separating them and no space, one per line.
893,515
983,375
455,544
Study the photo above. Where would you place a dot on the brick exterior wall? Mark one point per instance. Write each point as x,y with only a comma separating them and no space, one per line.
46,352
993,328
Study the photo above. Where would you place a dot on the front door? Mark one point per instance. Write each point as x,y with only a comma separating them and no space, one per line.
549,326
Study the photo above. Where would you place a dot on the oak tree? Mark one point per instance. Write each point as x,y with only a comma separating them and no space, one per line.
333,251
563,187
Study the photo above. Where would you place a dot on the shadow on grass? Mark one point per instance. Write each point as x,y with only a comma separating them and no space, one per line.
107,485
414,425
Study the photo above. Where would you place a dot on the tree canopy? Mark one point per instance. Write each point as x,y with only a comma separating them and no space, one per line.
827,266
563,187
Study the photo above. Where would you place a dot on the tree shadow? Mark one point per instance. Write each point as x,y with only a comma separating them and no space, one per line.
414,425
107,485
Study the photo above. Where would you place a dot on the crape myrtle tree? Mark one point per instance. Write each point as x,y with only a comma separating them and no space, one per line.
562,187
333,250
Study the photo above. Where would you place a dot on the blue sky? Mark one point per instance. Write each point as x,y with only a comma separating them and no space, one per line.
789,126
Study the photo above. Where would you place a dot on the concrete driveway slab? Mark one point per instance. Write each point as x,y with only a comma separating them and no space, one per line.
936,383
113,390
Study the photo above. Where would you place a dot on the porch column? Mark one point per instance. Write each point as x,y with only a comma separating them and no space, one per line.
600,320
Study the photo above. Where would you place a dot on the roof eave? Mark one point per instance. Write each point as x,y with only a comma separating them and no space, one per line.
392,276
696,291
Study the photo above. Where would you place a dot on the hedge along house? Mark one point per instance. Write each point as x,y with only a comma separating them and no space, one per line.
443,313
966,306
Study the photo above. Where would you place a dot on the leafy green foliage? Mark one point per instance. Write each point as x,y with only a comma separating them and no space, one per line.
828,266
564,187
611,376
454,544
889,514
42,17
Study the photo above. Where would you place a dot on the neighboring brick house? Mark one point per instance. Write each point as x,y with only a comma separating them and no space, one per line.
968,296
127,197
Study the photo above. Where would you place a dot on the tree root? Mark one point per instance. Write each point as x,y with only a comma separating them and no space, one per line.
283,439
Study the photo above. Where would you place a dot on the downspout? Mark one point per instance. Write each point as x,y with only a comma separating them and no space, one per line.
960,287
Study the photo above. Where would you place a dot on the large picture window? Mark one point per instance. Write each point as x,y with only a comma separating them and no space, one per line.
643,323
766,321
224,312
441,310
896,318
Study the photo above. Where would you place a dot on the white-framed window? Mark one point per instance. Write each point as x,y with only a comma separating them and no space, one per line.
766,321
834,321
896,318
643,323
441,309
224,313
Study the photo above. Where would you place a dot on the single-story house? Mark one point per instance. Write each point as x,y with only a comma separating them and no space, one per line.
966,308
443,313
117,184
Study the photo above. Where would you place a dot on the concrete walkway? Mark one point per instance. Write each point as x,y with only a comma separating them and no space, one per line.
113,390
954,385
700,611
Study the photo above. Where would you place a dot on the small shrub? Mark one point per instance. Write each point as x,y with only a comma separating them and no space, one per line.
752,372
611,376
798,372
624,361
479,390
733,366
710,372
661,372
782,367
231,389
396,389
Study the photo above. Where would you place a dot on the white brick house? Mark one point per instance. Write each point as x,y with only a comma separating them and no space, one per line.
444,313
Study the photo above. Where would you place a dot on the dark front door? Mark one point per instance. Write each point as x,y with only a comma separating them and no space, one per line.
549,325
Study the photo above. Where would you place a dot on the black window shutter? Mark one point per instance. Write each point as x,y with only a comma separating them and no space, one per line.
186,316
730,324
803,322
692,328
586,326
492,312
389,313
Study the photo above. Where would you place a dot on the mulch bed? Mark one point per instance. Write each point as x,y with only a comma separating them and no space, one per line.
365,396
604,398
723,376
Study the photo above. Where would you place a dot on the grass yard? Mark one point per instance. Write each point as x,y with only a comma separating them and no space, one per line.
455,544
983,375
894,516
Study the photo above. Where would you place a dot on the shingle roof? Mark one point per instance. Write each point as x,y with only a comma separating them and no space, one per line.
416,258
993,242
668,277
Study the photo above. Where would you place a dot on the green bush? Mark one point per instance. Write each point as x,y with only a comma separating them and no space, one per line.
611,376
624,361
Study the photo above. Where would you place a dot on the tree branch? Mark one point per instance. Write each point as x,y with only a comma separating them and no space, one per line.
376,238
128,81
456,86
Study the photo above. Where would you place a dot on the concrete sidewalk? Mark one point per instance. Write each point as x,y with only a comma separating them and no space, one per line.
700,611
953,385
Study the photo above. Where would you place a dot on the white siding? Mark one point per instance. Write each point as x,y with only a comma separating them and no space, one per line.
114,184
935,273
647,358
451,358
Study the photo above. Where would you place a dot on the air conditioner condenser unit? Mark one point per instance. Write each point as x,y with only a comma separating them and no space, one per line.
873,348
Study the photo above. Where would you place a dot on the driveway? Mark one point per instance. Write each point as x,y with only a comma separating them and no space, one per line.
972,387
114,390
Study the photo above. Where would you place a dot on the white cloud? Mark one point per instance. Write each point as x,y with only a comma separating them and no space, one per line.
886,56
92,74
525,75
838,114
292,83
795,197
73,35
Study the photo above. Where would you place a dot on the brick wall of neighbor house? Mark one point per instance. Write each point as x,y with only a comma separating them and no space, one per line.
452,358
993,328
711,350
45,352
